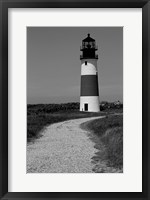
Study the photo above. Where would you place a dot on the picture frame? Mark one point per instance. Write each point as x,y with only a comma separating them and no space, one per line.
4,97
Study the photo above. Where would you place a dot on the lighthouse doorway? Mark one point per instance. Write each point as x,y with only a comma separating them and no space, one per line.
86,106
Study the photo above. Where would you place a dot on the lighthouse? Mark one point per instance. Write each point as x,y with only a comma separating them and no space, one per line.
89,91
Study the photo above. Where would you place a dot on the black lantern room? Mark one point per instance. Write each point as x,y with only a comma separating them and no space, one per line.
88,48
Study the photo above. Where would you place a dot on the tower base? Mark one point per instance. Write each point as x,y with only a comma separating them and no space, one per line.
89,103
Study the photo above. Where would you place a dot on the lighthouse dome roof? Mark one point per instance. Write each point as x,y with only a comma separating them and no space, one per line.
88,39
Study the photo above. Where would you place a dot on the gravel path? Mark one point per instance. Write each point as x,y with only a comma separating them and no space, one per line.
63,148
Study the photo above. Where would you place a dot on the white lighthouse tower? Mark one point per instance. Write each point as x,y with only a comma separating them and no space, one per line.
89,93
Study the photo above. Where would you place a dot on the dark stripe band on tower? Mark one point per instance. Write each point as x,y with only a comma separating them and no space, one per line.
89,85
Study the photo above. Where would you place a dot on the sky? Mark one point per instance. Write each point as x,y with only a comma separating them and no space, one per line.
54,66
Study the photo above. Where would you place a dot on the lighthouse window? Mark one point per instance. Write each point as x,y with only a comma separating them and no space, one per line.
85,62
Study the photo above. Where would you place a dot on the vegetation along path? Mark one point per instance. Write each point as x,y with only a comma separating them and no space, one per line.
64,148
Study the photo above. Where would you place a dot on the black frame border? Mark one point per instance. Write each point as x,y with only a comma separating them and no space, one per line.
4,6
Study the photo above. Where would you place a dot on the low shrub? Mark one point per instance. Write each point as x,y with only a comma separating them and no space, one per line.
109,132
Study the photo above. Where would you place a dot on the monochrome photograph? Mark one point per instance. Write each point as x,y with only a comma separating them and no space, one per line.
74,100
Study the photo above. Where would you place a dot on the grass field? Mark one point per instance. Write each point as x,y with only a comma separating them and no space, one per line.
40,116
109,133
106,132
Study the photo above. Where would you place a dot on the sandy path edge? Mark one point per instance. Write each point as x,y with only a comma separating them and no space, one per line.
63,148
